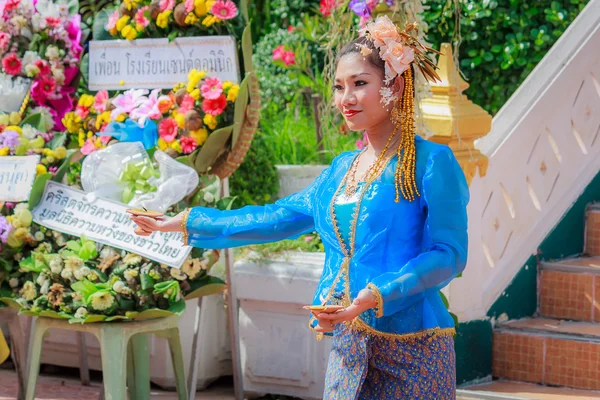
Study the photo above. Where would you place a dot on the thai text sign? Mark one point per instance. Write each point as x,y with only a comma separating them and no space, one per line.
16,177
105,221
158,63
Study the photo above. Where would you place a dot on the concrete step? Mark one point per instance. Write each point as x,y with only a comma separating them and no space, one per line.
511,390
548,351
592,230
570,289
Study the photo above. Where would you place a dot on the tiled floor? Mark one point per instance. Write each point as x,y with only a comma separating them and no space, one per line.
67,388
534,392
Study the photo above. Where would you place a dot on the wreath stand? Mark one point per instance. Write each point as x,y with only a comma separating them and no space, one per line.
10,317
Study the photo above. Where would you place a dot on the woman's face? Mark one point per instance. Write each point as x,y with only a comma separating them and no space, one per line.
356,93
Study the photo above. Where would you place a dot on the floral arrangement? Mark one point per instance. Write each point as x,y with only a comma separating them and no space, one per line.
33,135
178,122
83,282
41,40
142,18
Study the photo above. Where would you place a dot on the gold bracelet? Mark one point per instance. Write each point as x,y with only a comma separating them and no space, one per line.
184,231
379,298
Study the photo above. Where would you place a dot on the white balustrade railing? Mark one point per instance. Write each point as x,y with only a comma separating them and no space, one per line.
544,149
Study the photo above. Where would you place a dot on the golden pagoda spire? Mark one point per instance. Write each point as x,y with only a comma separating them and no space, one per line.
454,119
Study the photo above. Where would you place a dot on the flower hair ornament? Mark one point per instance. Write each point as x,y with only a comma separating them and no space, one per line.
398,49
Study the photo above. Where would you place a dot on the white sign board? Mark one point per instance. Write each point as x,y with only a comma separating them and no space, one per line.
16,177
158,63
105,221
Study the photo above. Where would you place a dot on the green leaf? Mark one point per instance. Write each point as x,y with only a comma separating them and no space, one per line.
147,282
98,30
58,140
131,314
35,120
247,49
84,67
116,318
239,113
73,7
9,301
86,288
28,313
211,149
205,287
455,318
91,318
37,190
62,170
52,314
226,203
444,300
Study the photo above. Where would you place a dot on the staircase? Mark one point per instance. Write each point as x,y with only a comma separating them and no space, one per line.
557,352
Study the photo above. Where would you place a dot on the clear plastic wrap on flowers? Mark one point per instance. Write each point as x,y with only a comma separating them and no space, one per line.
124,172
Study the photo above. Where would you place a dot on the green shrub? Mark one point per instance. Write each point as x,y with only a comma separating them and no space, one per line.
502,40
256,182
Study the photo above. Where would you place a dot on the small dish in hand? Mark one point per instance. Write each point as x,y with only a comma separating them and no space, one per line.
138,212
325,309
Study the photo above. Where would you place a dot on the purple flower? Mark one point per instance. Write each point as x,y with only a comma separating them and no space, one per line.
53,170
360,8
5,229
47,136
389,2
10,139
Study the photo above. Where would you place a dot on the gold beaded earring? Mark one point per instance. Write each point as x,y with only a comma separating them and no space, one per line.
405,180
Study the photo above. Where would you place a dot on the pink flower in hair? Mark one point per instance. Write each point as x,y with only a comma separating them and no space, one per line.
397,58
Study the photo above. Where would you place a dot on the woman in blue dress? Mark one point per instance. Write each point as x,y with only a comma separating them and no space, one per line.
393,221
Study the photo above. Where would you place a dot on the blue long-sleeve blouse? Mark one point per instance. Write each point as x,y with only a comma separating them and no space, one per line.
405,252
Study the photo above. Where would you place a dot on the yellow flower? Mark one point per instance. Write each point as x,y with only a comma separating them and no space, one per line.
120,118
195,94
233,93
14,128
162,20
131,4
60,152
4,151
200,8
210,20
81,138
14,118
122,22
72,122
102,300
4,119
162,145
210,121
40,169
102,119
129,32
48,152
179,118
28,291
227,85
86,101
194,77
199,136
191,19
210,4
180,85
176,146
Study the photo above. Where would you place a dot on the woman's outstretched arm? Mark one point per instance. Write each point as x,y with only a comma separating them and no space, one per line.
215,229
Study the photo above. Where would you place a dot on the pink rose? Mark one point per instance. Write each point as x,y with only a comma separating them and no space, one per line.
112,21
278,53
383,30
166,5
4,41
289,58
397,58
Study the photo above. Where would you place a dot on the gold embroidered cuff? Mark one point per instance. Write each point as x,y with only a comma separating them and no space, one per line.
184,231
377,293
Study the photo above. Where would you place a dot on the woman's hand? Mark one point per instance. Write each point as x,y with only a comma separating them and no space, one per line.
148,225
363,302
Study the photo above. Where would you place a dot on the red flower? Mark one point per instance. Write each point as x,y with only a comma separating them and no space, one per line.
167,129
187,104
188,144
327,6
216,106
12,64
43,66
